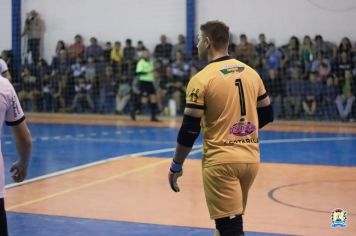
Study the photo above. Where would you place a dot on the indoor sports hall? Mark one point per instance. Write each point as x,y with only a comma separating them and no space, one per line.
96,171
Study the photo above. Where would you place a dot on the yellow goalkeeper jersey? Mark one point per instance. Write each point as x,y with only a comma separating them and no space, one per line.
228,91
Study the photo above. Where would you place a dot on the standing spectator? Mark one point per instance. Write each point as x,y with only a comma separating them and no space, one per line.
163,50
180,46
294,94
12,115
245,50
346,96
93,50
77,48
33,30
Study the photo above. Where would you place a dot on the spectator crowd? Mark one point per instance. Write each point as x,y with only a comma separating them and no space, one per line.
306,79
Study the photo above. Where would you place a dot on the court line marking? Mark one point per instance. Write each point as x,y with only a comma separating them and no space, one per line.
91,164
158,151
92,183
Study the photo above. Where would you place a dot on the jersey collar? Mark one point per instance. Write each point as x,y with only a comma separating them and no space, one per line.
221,59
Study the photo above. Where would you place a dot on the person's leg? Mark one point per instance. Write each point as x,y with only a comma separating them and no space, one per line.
348,107
224,199
153,101
247,176
340,105
3,221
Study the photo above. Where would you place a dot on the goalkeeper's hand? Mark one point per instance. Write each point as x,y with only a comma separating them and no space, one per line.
174,173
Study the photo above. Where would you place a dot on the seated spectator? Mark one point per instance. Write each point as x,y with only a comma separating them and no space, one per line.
78,68
41,69
140,48
61,64
343,63
90,70
93,50
312,99
129,52
180,46
77,48
346,96
163,50
327,49
294,94
274,56
231,47
329,98
82,99
274,87
173,88
292,60
318,59
292,47
107,51
306,52
64,93
30,91
180,68
245,50
48,88
107,91
262,46
123,94
345,46
60,46
117,54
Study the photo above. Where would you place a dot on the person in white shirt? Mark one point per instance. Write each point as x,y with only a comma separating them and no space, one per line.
12,115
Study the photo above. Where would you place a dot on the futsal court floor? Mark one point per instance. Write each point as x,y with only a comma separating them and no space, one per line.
100,175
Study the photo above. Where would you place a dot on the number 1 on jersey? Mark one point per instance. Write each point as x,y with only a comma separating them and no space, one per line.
238,83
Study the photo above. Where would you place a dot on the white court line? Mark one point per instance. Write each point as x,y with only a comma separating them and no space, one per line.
197,147
93,164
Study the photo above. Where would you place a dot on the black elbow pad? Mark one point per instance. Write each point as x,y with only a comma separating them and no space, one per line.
265,115
189,131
